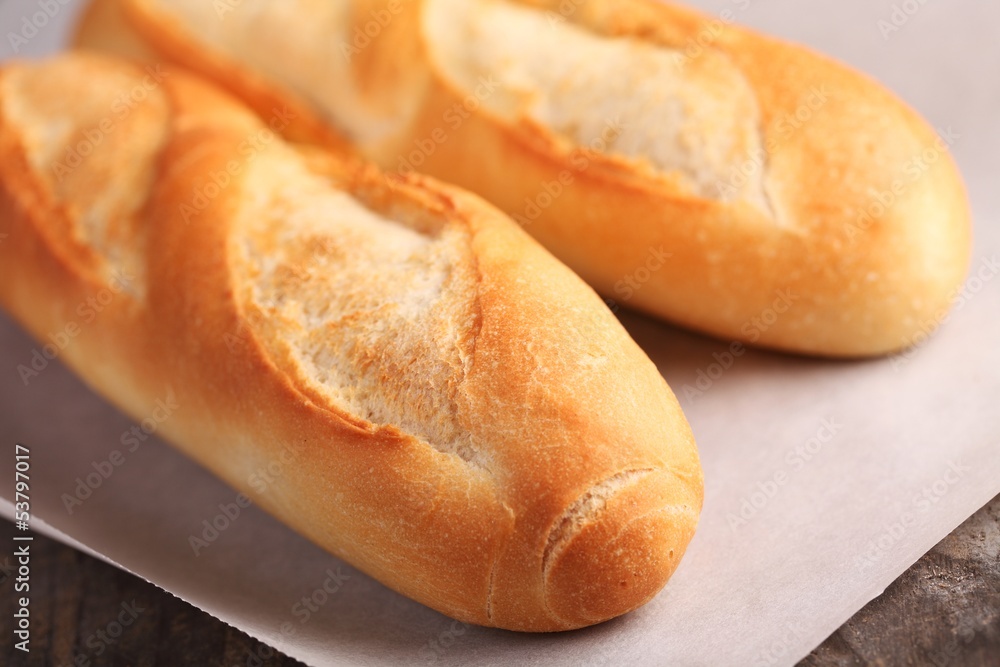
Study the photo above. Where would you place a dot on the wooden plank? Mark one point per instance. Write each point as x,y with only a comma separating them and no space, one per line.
942,612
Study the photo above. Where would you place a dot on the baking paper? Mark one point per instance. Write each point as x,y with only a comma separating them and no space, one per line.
824,480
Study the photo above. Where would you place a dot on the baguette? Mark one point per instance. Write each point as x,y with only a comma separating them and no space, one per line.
694,170
452,410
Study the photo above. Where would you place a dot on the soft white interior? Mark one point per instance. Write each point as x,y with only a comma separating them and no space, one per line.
374,315
694,120
72,130
305,44
621,96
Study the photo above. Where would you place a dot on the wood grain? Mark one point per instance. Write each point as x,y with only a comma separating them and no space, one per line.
943,612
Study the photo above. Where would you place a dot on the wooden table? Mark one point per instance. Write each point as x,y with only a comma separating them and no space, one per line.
943,612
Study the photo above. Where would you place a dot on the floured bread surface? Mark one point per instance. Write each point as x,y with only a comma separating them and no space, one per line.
308,45
692,121
453,411
93,142
368,313
695,120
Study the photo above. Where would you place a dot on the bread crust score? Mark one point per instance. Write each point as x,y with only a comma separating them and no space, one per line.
456,413
726,181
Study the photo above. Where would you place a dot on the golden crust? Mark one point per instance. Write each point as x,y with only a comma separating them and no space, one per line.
591,486
105,26
869,230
